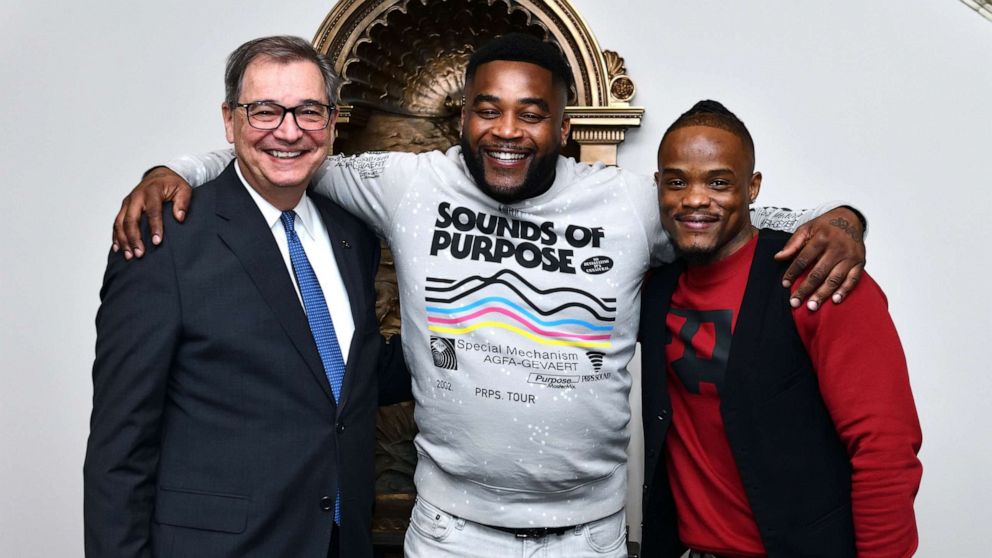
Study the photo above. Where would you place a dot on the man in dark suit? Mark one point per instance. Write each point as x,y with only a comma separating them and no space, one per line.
237,368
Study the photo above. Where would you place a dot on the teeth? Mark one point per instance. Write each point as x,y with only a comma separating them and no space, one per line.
504,156
285,154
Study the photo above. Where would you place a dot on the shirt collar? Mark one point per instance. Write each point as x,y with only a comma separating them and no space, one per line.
305,210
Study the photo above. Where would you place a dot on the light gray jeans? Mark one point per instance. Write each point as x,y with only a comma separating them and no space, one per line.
434,533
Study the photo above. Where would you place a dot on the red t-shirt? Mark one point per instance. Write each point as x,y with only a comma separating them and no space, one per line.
863,380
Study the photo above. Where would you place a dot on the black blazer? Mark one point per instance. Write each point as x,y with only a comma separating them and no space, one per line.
795,470
214,431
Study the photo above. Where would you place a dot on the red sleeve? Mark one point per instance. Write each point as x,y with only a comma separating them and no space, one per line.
862,373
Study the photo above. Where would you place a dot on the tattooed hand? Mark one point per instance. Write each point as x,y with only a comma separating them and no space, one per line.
851,229
832,246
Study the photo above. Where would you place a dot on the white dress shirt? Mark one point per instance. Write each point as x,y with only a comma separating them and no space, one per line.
317,244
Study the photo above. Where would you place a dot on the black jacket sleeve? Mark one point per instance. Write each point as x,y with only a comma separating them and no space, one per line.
138,326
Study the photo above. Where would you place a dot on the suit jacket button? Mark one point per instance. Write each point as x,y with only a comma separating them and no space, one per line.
340,428
327,503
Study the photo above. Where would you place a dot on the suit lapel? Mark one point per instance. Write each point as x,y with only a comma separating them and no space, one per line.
349,266
243,229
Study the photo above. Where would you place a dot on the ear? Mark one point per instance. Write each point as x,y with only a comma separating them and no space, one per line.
228,113
566,126
754,187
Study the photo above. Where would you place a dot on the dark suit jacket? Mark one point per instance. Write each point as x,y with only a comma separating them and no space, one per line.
214,431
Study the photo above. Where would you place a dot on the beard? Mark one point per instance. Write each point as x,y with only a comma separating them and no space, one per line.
540,176
695,253
706,250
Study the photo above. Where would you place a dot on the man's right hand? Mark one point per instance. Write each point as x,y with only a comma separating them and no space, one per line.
158,186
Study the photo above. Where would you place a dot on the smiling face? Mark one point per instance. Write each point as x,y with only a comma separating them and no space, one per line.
513,128
705,185
279,163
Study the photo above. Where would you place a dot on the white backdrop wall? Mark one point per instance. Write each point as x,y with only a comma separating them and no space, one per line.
883,104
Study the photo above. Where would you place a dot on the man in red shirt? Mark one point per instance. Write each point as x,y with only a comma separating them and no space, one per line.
769,430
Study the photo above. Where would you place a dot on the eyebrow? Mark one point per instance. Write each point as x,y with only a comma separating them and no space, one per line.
303,102
716,172
713,172
720,171
536,101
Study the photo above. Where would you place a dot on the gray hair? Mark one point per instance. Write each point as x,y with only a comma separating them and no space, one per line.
283,48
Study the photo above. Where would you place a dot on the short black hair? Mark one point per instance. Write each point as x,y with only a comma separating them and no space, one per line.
521,47
714,115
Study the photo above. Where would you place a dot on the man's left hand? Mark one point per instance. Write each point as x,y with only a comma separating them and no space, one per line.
832,246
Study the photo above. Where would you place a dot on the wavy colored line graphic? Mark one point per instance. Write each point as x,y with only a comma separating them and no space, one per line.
537,309
602,303
530,303
518,331
522,310
528,325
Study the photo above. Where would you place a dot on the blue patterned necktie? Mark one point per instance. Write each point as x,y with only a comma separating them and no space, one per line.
321,325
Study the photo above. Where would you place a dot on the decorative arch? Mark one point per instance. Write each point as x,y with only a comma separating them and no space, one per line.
402,64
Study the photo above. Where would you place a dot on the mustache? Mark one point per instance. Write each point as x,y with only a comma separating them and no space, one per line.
696,215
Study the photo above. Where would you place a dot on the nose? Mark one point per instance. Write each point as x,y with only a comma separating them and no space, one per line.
288,131
506,127
696,195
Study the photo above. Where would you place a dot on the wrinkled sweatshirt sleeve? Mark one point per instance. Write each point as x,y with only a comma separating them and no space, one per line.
202,168
369,185
864,381
788,220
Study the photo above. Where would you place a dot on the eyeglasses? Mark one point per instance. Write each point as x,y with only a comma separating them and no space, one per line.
264,115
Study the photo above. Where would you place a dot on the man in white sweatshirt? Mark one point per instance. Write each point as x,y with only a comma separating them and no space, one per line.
519,273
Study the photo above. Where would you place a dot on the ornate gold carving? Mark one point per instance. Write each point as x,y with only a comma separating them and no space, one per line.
622,88
599,135
614,63
587,120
